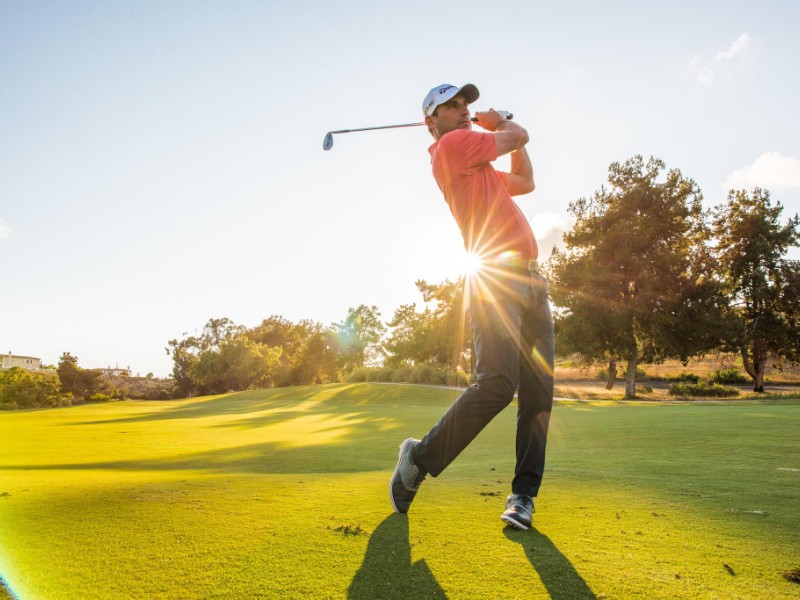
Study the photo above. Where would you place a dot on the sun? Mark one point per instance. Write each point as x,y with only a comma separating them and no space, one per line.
471,264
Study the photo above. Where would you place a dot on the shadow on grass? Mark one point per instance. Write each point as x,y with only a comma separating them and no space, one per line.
321,429
387,570
555,570
282,403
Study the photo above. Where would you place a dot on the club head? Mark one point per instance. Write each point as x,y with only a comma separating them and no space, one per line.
327,144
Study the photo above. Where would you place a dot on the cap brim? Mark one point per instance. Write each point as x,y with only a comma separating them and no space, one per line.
470,93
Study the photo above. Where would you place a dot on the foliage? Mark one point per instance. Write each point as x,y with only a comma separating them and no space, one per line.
763,286
427,373
81,384
683,378
602,374
20,388
359,337
726,376
186,354
277,352
633,281
713,390
437,333
237,364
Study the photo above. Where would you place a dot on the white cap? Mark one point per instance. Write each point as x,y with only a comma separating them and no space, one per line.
442,93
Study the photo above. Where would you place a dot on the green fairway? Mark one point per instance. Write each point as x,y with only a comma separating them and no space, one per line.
283,493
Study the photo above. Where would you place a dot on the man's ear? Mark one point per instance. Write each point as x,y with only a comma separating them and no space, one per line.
430,123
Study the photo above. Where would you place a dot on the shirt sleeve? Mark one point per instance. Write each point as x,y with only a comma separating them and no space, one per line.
468,150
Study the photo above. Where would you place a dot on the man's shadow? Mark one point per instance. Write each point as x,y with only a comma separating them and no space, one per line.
555,570
387,570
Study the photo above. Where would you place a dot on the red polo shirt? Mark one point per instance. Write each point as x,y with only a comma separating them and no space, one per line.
489,219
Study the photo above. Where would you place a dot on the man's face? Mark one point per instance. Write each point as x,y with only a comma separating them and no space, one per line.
453,114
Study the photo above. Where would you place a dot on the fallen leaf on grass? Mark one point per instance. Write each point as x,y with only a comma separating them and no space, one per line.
347,530
792,575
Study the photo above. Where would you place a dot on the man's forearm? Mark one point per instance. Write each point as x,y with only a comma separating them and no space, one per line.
521,163
520,179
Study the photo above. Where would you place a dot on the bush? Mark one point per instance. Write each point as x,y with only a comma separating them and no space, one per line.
728,376
683,378
359,375
602,374
98,398
28,389
645,389
426,373
713,390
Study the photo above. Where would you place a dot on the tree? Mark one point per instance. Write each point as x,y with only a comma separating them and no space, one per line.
238,364
82,383
20,388
278,332
633,282
69,373
763,285
317,358
359,336
185,356
436,334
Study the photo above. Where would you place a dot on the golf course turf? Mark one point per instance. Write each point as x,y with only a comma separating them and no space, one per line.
283,493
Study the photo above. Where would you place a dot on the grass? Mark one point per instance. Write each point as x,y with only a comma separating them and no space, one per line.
283,494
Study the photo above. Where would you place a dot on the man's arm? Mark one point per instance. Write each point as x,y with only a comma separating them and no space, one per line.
520,180
510,137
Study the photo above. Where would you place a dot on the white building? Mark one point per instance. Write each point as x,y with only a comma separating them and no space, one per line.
30,363
116,372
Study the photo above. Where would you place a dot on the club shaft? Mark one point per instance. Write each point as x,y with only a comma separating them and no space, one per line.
474,120
381,127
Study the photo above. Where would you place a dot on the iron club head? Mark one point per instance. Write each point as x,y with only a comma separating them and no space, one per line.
327,143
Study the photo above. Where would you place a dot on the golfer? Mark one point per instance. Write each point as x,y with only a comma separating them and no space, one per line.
507,304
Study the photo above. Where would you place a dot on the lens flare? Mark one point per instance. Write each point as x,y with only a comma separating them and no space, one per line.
473,263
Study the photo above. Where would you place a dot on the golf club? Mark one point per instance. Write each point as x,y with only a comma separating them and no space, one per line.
327,143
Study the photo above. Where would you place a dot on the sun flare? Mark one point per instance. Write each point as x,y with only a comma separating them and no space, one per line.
472,263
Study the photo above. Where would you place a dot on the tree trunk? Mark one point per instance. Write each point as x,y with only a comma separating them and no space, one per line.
630,373
612,373
755,363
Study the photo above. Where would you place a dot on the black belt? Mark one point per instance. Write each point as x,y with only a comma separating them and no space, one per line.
515,262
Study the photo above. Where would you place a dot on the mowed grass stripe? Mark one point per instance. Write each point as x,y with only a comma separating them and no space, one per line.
283,493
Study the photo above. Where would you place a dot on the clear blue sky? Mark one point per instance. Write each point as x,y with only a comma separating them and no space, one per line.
161,163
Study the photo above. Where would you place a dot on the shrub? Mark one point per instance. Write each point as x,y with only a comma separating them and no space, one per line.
359,375
728,376
645,389
602,374
430,373
98,398
28,389
683,378
713,390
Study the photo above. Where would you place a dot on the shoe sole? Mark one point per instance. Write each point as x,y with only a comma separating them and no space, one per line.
399,458
513,523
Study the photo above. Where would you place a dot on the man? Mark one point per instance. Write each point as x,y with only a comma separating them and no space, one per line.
507,302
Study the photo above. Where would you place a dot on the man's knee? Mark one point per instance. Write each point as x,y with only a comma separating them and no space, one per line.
500,388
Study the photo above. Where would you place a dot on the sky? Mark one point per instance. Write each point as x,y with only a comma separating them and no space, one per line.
161,163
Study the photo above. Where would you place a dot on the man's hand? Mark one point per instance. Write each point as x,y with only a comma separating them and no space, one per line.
508,135
489,119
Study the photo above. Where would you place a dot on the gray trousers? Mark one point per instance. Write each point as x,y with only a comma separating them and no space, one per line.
512,329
